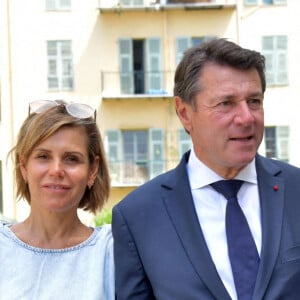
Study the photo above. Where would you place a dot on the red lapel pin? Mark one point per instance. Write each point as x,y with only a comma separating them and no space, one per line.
275,187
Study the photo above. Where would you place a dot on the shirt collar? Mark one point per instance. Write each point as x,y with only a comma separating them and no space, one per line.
200,175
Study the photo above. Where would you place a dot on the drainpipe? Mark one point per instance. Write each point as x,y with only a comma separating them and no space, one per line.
10,88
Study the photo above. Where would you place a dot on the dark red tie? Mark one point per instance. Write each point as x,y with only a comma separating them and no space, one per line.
243,255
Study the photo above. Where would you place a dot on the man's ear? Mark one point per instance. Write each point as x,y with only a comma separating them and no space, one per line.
183,111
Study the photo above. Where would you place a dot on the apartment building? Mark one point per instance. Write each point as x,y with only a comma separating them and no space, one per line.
120,57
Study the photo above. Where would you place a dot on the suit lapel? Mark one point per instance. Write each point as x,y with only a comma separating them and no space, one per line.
271,193
180,207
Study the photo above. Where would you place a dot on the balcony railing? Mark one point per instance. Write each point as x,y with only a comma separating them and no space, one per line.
126,173
124,5
137,84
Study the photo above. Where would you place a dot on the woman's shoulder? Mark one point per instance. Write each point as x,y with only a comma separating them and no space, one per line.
104,233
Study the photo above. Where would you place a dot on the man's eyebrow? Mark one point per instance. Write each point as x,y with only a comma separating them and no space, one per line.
232,96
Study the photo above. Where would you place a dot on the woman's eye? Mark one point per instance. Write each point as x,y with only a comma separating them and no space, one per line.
72,159
42,156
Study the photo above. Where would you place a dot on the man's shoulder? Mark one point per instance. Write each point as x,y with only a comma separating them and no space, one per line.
278,167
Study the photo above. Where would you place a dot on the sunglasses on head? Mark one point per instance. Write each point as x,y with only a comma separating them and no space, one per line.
77,110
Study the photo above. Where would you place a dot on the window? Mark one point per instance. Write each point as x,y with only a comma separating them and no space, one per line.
277,142
255,2
0,101
183,43
58,4
274,48
60,65
1,184
135,156
184,142
140,66
132,2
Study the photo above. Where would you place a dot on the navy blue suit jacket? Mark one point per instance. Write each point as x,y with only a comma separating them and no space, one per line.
160,251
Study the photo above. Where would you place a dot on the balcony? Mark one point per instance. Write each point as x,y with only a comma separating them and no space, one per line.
126,173
157,5
136,84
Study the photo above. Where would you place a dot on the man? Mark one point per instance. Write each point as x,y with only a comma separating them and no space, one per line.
171,238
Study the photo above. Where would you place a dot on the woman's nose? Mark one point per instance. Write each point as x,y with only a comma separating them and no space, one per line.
56,168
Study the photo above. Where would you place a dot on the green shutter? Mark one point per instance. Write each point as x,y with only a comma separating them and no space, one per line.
113,149
281,60
274,49
50,4
251,2
282,141
154,70
156,151
184,142
182,44
126,66
114,156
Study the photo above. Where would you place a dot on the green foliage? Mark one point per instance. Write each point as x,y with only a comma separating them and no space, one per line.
104,217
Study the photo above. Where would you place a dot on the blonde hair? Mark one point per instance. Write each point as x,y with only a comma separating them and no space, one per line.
37,128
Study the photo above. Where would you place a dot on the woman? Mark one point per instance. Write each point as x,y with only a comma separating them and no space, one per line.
60,166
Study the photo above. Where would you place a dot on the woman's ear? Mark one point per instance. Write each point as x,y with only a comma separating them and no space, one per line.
23,169
93,172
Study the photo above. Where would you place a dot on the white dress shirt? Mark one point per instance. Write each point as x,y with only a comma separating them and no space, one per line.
210,207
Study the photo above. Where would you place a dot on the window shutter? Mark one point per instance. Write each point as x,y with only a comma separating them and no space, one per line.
114,155
50,4
113,139
154,70
125,2
279,1
66,65
132,2
282,139
58,4
52,65
65,4
268,51
60,65
184,142
250,2
138,2
282,65
182,44
157,152
126,66
275,52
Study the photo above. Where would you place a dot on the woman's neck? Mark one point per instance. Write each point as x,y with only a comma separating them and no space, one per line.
52,232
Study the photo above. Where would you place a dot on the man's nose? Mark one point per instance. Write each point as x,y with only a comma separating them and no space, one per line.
243,113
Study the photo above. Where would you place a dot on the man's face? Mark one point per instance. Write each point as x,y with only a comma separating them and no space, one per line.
226,125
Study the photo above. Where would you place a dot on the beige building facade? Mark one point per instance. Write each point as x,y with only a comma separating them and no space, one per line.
120,57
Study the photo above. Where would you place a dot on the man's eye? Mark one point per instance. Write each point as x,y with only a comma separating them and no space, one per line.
225,103
255,103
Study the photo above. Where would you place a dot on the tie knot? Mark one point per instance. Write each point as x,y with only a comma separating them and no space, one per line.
228,188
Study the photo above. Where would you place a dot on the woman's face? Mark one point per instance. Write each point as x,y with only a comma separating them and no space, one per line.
58,171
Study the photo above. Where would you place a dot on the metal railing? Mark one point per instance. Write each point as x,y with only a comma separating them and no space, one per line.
126,173
136,84
119,4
